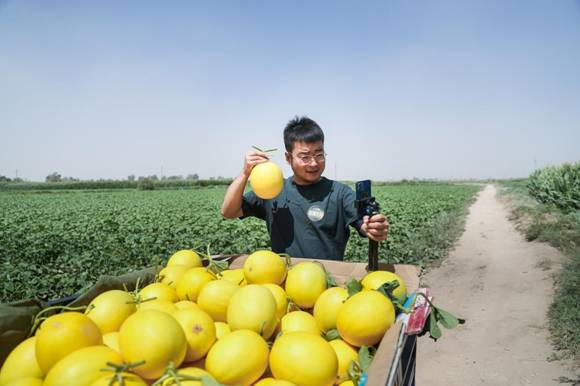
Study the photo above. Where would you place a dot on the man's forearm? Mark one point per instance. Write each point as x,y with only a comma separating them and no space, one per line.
232,205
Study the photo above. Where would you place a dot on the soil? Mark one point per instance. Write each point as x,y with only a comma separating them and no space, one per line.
503,286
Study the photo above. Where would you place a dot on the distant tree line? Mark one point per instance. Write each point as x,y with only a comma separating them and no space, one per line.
55,181
154,177
56,177
4,179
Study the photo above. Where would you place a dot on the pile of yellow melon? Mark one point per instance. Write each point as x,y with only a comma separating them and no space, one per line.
263,324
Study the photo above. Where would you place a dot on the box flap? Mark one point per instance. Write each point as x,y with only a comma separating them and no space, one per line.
378,371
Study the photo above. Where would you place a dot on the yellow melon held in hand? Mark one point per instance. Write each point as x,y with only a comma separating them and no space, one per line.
266,180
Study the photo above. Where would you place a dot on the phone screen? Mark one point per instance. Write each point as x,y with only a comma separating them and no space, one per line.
363,189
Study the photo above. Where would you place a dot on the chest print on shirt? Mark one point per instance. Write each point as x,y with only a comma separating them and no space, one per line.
315,213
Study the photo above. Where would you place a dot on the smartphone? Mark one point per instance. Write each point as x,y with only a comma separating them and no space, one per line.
363,190
364,198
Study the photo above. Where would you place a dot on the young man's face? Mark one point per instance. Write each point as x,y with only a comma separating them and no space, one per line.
307,161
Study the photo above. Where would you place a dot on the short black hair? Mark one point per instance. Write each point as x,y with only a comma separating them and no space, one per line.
302,129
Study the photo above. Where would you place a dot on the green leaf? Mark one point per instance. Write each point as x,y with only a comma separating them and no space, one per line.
209,381
387,290
447,319
331,335
434,330
438,315
330,282
222,264
365,357
353,286
354,372
264,151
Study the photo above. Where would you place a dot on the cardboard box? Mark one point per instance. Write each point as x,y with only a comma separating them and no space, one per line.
378,372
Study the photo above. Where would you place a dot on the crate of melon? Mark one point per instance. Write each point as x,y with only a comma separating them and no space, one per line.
351,326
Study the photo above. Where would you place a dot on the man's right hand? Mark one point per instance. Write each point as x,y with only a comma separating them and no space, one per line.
232,205
253,157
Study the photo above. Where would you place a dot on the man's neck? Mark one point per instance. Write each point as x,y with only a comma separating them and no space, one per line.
301,182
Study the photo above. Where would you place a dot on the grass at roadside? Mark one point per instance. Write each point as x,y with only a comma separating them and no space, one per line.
562,230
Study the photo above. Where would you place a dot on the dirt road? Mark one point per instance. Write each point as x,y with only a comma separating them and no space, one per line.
502,285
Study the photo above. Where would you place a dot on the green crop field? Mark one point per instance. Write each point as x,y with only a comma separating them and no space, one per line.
54,244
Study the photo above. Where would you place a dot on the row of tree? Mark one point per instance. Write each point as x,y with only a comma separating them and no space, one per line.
6,179
55,181
57,177
154,177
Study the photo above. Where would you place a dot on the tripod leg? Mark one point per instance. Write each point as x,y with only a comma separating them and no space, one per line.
373,255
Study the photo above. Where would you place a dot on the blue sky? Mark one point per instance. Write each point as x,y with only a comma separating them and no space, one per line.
427,89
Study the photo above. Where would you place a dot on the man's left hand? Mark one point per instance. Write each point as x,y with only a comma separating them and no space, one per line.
375,227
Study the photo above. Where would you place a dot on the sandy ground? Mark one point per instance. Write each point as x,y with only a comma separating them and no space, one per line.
503,286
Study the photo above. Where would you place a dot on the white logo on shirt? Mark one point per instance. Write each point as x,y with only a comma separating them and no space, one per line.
315,213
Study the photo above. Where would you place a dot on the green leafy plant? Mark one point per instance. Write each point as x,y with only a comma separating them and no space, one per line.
58,244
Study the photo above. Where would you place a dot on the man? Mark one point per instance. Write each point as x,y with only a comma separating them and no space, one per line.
312,214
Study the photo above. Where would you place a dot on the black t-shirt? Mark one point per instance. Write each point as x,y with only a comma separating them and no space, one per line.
307,220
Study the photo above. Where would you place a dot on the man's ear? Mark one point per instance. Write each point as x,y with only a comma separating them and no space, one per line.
288,158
